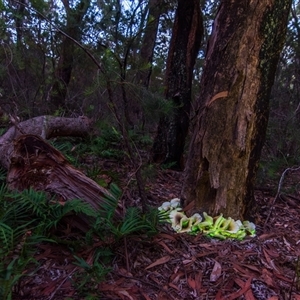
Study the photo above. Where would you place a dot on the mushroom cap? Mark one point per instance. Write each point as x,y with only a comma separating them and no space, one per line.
175,203
234,226
165,206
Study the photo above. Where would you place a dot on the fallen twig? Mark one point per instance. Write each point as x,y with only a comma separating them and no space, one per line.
278,190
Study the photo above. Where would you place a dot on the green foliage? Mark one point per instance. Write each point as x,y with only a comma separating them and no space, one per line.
139,138
66,147
10,274
93,173
149,172
25,220
3,174
92,273
167,166
109,225
2,131
134,221
271,168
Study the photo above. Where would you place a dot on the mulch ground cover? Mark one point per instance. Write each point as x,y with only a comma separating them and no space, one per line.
180,266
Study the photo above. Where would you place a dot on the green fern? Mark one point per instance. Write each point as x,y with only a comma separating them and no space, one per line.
3,174
31,201
6,238
25,220
8,279
77,206
110,203
133,222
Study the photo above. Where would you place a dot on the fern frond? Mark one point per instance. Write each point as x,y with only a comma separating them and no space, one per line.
78,206
3,174
132,222
110,202
31,200
57,212
6,238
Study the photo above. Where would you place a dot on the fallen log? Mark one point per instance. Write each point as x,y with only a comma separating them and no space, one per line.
34,163
44,126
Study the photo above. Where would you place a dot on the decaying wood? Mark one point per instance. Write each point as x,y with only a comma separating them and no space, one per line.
36,164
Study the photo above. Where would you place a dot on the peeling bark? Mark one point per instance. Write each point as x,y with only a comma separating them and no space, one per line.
241,61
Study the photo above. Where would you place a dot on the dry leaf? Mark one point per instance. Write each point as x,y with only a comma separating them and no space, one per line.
216,272
191,282
174,286
146,296
245,286
163,244
166,236
249,295
125,293
160,261
267,277
198,280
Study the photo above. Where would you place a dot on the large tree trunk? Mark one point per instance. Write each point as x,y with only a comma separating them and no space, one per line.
185,43
241,61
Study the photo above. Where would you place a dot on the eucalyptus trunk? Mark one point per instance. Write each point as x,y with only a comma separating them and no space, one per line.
149,39
185,43
231,123
67,50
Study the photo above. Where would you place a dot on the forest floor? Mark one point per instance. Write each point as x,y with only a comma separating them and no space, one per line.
180,266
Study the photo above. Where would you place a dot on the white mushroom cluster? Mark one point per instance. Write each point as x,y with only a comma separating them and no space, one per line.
218,227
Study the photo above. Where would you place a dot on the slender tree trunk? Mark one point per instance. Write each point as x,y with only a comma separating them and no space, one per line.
185,43
148,43
145,55
19,18
65,64
241,61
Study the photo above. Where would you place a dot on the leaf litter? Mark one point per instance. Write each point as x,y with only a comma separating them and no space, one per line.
180,266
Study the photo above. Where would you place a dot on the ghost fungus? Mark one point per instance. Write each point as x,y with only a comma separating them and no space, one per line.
250,227
218,227
175,218
175,203
165,206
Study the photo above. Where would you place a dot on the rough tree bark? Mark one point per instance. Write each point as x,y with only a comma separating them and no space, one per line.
185,43
33,163
241,61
